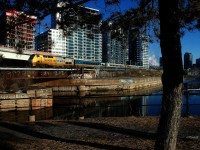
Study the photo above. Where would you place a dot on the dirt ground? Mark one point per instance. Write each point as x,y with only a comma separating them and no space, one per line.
94,134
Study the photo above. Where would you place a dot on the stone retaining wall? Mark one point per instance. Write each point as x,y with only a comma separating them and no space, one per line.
33,98
102,85
43,97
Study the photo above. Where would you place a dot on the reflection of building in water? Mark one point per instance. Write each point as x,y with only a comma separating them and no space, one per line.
144,106
109,106
101,106
138,106
122,107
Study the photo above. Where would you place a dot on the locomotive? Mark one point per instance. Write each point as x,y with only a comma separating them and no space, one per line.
38,60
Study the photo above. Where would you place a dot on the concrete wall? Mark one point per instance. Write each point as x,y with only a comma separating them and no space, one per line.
34,98
43,97
101,84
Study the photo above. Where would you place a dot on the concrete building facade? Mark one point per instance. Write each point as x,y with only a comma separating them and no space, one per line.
52,41
139,51
19,32
82,43
127,51
115,51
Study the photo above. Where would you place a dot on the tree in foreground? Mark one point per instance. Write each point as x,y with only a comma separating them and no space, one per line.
172,77
171,16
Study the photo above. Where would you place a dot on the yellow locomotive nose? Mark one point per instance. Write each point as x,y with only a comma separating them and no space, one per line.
33,59
30,60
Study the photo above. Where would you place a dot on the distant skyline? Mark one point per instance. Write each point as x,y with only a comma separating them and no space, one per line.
190,41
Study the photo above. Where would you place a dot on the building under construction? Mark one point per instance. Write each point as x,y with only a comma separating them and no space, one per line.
17,30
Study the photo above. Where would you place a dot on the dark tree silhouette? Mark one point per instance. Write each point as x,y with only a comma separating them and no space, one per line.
172,77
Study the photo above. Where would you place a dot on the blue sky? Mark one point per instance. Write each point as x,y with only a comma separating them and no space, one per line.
190,41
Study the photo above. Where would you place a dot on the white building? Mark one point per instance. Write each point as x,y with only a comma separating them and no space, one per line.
142,50
82,43
52,41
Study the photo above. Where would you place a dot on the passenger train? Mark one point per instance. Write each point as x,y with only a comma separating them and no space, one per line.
39,60
44,59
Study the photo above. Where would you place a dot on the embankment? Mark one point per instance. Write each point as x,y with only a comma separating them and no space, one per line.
101,84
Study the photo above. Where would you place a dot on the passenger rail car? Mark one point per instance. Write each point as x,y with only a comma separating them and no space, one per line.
39,60
84,63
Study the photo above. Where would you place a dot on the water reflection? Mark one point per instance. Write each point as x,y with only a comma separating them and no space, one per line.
101,104
22,114
113,106
90,106
72,105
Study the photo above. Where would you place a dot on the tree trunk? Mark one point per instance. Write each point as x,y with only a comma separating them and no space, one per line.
172,77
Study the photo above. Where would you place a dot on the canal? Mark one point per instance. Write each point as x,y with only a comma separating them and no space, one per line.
74,105
120,106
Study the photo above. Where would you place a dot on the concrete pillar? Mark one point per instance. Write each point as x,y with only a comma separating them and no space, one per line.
81,118
32,118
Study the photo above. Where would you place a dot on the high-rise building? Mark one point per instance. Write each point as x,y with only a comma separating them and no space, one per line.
21,30
198,62
188,60
115,51
139,50
84,42
126,51
52,41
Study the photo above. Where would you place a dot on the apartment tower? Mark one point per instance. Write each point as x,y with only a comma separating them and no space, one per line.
84,42
115,51
129,50
17,30
139,50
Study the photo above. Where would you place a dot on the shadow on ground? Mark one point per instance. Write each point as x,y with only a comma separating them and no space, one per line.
28,131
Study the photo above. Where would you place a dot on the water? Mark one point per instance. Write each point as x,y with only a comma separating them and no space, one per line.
104,104
122,107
